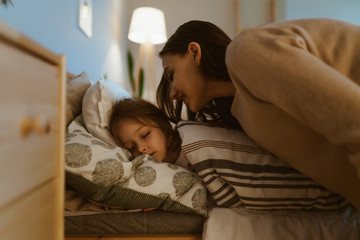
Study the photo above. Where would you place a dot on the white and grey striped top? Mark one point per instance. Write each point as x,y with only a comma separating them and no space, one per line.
237,171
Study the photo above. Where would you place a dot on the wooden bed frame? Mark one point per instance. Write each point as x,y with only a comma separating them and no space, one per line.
137,238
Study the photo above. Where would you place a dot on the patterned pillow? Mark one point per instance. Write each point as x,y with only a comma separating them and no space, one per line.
103,173
237,171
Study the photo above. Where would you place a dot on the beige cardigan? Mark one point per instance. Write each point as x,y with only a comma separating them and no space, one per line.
298,95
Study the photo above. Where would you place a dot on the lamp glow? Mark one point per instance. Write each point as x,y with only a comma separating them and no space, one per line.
147,25
85,10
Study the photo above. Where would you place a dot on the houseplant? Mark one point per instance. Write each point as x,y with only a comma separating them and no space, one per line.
137,84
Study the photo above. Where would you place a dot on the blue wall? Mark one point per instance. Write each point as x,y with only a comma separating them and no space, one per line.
54,24
347,10
258,12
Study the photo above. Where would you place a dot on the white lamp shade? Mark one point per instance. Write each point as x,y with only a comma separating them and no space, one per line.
147,24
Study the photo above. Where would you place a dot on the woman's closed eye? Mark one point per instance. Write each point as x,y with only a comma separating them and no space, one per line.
169,76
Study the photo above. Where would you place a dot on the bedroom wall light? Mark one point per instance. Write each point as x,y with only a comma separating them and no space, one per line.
85,17
147,27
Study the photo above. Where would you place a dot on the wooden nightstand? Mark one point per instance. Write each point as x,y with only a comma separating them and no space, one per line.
32,122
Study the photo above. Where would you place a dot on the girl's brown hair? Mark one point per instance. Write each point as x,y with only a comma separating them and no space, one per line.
213,42
145,113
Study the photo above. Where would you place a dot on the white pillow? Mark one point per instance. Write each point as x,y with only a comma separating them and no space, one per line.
103,173
237,171
76,86
96,106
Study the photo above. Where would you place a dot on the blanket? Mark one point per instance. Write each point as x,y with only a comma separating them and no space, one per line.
237,171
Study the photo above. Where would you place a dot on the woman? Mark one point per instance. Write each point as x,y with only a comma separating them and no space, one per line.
292,86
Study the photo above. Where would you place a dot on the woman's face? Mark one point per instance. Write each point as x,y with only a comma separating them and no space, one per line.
140,138
187,81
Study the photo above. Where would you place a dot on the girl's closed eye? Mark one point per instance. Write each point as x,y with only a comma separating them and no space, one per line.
146,134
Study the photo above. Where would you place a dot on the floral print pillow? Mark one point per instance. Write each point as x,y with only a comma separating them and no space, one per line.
105,174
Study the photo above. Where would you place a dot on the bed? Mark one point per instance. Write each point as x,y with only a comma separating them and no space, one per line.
110,211
110,195
82,218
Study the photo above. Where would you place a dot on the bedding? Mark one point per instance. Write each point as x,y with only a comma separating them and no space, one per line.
140,223
85,218
102,209
107,203
237,171
242,223
76,87
104,174
96,105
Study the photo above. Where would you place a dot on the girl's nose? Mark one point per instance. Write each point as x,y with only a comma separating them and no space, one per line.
142,149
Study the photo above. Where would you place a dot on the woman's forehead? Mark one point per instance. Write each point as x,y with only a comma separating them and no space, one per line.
170,59
166,60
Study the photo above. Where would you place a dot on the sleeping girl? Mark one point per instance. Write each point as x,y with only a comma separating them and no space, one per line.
142,128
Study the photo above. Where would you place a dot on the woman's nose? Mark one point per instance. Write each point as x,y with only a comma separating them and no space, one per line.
173,93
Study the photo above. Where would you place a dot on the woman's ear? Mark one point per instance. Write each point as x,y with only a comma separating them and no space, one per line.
195,50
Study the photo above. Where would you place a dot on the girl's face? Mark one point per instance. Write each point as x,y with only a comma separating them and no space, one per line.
187,81
140,138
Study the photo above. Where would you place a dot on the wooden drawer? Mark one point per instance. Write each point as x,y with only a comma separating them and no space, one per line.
27,76
29,105
27,163
32,101
32,217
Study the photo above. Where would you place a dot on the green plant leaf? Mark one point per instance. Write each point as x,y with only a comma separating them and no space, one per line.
131,69
7,2
141,82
